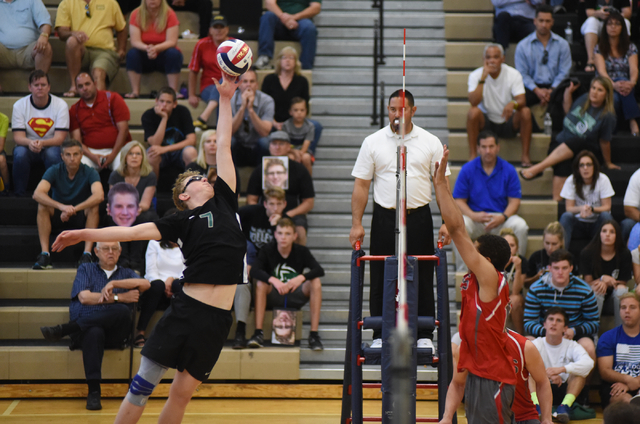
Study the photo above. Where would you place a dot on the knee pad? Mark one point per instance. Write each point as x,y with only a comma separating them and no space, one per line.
148,377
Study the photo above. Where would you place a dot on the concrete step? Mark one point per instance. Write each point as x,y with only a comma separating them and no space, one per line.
338,220
468,55
393,47
365,122
328,238
457,84
332,187
334,89
413,62
335,170
329,32
334,153
399,19
431,77
355,106
351,5
369,372
468,26
464,6
510,149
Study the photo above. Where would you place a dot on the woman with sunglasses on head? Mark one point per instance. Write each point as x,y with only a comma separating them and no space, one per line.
190,335
616,58
587,195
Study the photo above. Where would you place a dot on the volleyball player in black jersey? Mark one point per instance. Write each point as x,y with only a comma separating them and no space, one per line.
190,335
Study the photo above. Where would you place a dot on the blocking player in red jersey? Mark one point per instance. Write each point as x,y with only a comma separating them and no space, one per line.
527,361
490,386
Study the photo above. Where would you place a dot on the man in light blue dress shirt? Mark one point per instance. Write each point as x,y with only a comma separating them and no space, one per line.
543,58
25,26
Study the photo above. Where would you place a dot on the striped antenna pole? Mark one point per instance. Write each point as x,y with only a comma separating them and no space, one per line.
403,312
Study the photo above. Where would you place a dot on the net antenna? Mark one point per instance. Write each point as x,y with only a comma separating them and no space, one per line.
401,340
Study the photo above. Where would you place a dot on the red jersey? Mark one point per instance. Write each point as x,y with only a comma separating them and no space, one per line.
483,350
523,408
98,123
205,57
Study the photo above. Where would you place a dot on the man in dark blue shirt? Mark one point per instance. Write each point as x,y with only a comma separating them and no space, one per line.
99,314
488,193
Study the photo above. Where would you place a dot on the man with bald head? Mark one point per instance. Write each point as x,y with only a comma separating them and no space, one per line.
99,313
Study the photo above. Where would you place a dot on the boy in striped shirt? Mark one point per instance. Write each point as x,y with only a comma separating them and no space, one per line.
560,288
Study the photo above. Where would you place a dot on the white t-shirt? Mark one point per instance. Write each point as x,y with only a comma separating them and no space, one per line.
163,263
635,256
632,195
40,123
569,354
496,93
602,190
377,161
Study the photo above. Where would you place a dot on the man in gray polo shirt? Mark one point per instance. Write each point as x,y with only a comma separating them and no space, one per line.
252,121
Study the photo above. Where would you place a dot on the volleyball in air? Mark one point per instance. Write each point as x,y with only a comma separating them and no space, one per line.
234,57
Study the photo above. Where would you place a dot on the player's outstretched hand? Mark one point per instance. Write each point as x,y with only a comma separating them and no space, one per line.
439,176
228,86
66,238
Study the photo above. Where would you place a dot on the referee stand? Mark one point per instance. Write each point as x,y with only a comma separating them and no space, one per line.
392,367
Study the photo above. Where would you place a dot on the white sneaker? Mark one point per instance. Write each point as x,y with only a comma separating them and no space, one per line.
376,344
263,63
426,344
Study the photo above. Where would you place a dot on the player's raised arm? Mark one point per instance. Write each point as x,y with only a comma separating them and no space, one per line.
478,264
146,231
226,168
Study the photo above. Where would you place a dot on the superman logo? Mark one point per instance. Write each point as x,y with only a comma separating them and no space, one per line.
41,125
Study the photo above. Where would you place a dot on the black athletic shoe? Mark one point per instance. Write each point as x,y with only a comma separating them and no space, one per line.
315,343
257,340
43,262
93,401
52,334
240,342
85,259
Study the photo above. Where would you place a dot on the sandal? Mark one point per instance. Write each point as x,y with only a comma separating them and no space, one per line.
131,96
139,341
590,67
538,175
70,93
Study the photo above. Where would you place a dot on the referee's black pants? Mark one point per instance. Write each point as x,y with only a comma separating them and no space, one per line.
419,242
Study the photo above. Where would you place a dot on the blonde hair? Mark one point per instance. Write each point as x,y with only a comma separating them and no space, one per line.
630,295
287,51
178,188
555,229
607,107
506,231
145,166
201,159
144,17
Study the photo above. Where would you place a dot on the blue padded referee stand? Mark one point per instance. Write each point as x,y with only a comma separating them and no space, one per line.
357,353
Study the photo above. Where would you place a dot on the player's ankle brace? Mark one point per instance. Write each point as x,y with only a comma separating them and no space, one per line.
148,377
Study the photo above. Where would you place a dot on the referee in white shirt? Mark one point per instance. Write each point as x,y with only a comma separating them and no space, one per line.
377,160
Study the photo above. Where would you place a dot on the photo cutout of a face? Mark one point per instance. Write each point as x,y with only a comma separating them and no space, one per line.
284,327
275,172
123,204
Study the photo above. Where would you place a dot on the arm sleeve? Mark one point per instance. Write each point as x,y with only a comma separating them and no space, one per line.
63,17
258,270
306,184
311,133
522,65
606,344
18,118
565,64
532,268
632,194
315,270
606,189
626,267
364,166
586,263
93,176
151,272
268,110
73,117
514,189
517,86
609,124
267,84
186,121
230,197
474,77
591,322
304,89
119,108
148,125
172,19
4,125
62,119
581,363
119,21
40,14
82,281
169,226
115,178
194,63
532,313
568,191
461,187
